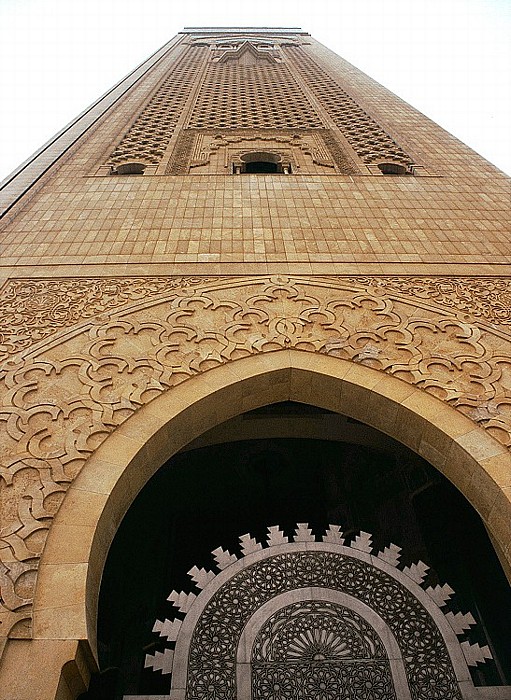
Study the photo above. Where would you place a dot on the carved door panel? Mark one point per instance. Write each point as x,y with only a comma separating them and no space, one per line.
320,651
308,620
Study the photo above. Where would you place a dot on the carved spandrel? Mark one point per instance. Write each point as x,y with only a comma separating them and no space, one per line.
136,338
32,310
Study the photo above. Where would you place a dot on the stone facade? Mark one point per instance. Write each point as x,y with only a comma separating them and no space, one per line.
143,267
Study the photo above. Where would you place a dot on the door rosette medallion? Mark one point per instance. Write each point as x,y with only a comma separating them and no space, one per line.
316,619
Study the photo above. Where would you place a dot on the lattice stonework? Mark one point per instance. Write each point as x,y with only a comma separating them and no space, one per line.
317,650
149,136
258,94
265,95
369,141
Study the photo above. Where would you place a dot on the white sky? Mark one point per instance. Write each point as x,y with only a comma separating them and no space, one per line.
449,58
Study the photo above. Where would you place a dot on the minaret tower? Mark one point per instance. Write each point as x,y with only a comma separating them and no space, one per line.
247,220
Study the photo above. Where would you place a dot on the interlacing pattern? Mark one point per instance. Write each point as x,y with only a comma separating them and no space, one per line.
149,136
214,643
134,339
316,631
33,310
484,298
305,616
313,649
235,96
353,681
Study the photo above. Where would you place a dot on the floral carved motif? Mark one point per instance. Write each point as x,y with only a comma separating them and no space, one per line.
113,345
485,298
31,310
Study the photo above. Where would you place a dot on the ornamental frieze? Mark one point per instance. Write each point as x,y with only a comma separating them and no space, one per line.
84,355
486,299
32,310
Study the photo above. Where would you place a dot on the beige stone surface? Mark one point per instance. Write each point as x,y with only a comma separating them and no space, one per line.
65,602
369,226
45,669
140,311
456,215
64,397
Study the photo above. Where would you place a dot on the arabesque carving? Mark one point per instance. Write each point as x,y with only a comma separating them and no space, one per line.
134,339
485,298
32,310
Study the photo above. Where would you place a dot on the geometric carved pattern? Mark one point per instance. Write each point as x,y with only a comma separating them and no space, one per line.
313,648
136,338
212,150
324,681
315,631
369,141
182,153
148,138
33,310
340,157
484,298
196,148
266,95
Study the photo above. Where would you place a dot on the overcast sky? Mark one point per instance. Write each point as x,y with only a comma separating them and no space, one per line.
449,58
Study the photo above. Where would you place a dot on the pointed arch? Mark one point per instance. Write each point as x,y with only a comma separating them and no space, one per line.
73,559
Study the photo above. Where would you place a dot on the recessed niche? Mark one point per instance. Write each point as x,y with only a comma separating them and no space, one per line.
261,163
392,169
132,168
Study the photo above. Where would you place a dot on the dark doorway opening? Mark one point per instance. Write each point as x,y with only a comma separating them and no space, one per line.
209,496
261,166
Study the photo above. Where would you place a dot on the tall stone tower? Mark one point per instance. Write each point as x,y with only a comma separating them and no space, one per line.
251,294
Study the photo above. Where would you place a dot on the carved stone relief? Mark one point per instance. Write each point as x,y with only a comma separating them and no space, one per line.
367,138
300,150
81,356
483,298
247,53
32,310
210,151
263,95
149,135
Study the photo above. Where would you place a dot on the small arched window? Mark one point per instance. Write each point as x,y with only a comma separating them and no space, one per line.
392,169
261,163
131,168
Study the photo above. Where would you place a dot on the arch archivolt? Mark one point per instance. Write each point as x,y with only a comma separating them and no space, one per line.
152,363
